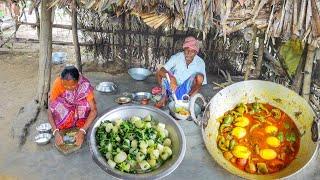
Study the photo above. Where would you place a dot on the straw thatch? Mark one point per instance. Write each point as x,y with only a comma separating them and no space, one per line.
277,18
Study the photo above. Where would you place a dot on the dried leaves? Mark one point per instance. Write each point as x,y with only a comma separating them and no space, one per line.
278,18
291,53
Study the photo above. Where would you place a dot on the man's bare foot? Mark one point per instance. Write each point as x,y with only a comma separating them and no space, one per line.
161,103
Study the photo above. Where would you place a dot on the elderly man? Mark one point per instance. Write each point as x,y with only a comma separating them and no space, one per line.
186,71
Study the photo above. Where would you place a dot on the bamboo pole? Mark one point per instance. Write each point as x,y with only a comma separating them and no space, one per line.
257,71
45,53
251,52
36,11
302,15
308,72
315,19
297,81
75,35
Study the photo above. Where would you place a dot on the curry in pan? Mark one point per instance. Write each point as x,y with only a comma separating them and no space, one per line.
258,138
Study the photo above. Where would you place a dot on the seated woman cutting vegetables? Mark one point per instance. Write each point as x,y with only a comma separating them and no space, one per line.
71,104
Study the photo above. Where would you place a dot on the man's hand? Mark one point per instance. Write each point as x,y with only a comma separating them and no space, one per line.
173,84
79,138
58,139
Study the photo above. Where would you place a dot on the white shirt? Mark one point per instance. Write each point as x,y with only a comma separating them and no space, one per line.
178,67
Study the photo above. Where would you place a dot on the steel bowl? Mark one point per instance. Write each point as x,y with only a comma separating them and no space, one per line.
44,128
43,138
139,96
139,73
123,100
175,132
59,57
106,87
172,106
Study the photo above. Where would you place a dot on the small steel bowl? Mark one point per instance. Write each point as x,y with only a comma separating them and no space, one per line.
123,100
44,128
139,74
106,87
43,138
144,101
178,116
139,96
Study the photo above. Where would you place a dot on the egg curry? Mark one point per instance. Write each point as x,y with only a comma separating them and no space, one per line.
258,138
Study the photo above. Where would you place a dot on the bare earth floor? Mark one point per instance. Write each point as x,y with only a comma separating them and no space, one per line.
18,82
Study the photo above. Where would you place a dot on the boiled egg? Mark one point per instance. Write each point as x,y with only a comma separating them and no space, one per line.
271,129
242,121
239,132
273,141
268,154
241,152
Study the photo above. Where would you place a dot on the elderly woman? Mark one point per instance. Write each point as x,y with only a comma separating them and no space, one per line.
186,71
71,104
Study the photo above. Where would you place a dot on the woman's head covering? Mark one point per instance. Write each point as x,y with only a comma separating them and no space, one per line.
191,43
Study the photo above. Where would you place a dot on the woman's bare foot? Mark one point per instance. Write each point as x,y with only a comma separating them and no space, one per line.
161,103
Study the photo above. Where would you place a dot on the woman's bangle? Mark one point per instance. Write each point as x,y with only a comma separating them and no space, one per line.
55,131
84,131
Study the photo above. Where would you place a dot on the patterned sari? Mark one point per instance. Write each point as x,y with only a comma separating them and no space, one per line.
71,109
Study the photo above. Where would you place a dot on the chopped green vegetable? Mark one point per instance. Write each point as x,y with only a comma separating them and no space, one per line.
280,136
147,118
227,119
144,165
140,156
122,156
155,154
118,122
276,113
167,142
135,145
160,147
111,163
124,167
152,162
286,125
108,127
291,137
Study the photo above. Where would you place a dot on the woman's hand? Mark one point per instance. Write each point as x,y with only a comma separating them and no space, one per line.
58,139
79,138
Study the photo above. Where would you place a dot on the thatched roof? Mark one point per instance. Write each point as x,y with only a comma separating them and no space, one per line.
277,18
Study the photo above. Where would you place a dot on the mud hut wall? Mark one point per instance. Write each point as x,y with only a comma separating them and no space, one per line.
127,41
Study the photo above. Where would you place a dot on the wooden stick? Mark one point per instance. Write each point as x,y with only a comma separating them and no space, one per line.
315,19
297,81
118,31
302,16
251,52
239,26
267,32
36,11
75,35
295,18
278,30
261,4
63,43
308,15
257,71
308,73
